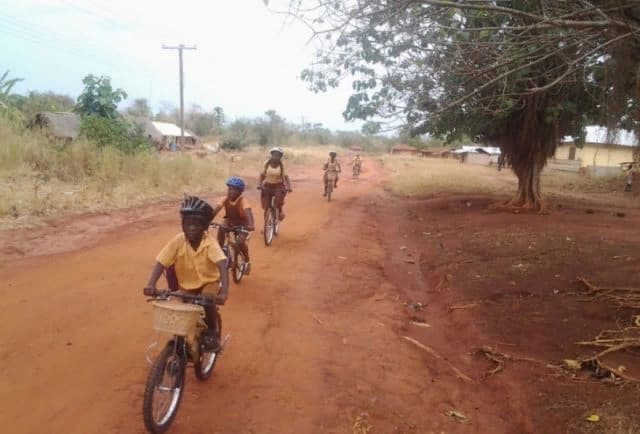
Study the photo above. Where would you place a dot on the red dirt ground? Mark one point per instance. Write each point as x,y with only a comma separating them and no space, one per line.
319,329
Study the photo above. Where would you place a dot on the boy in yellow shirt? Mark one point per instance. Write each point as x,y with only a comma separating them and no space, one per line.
199,262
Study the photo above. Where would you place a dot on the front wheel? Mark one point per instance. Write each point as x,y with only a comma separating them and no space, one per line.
206,361
164,388
237,271
269,226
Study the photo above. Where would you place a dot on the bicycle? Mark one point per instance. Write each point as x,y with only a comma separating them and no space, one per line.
329,185
356,171
165,383
236,261
271,218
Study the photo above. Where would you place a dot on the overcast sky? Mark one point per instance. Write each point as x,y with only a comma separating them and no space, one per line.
248,59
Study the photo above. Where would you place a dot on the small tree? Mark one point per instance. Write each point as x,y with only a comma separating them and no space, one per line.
99,98
140,108
218,119
7,106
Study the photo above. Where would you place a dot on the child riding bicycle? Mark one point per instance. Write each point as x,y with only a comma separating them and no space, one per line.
200,265
237,213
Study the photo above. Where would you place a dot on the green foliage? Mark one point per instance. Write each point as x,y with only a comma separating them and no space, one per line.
370,128
139,108
218,119
99,98
36,102
117,133
8,109
237,136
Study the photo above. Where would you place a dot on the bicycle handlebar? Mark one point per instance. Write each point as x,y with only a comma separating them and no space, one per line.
199,299
231,229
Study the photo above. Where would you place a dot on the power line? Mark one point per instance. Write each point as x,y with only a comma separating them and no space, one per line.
180,48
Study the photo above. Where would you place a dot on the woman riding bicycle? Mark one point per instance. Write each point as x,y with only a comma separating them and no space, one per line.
237,213
331,169
274,182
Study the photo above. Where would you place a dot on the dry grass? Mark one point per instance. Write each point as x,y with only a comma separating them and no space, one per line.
38,178
411,176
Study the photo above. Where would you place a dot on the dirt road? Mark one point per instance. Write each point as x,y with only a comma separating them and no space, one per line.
313,346
364,316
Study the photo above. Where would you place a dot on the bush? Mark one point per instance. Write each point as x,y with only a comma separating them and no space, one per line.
232,144
116,132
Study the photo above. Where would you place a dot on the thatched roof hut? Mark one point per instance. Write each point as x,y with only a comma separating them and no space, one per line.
61,125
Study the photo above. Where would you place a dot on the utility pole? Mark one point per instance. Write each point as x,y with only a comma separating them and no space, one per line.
180,48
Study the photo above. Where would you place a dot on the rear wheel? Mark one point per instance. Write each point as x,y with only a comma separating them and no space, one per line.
276,220
269,226
237,271
205,363
329,190
164,388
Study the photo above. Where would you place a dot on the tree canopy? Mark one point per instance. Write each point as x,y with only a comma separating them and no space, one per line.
99,98
521,74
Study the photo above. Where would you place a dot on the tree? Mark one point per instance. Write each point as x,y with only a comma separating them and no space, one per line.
36,102
370,128
99,98
167,113
218,119
139,108
198,121
7,105
522,74
277,127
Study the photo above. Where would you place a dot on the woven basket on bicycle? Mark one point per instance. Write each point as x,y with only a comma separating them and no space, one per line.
176,318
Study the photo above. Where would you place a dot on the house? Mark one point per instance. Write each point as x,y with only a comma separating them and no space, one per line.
436,152
402,149
482,155
59,125
602,153
164,133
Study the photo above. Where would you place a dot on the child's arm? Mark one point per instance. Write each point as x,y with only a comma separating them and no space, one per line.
156,272
287,183
224,282
251,225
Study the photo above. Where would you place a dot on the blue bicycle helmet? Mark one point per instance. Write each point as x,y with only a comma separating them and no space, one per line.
236,182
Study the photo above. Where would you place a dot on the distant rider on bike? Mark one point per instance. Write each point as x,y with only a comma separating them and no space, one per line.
237,213
331,169
274,181
199,265
357,162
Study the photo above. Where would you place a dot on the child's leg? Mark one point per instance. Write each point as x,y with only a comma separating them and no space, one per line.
242,245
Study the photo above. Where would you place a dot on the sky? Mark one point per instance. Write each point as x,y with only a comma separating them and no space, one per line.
248,58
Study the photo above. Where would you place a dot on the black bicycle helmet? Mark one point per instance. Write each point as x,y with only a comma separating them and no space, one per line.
193,205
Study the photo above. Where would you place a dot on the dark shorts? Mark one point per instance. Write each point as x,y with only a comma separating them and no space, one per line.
277,190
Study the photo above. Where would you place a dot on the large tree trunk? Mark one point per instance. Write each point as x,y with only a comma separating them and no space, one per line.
529,195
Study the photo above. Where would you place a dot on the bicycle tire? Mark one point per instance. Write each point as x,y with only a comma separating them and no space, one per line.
204,370
174,359
268,227
237,271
